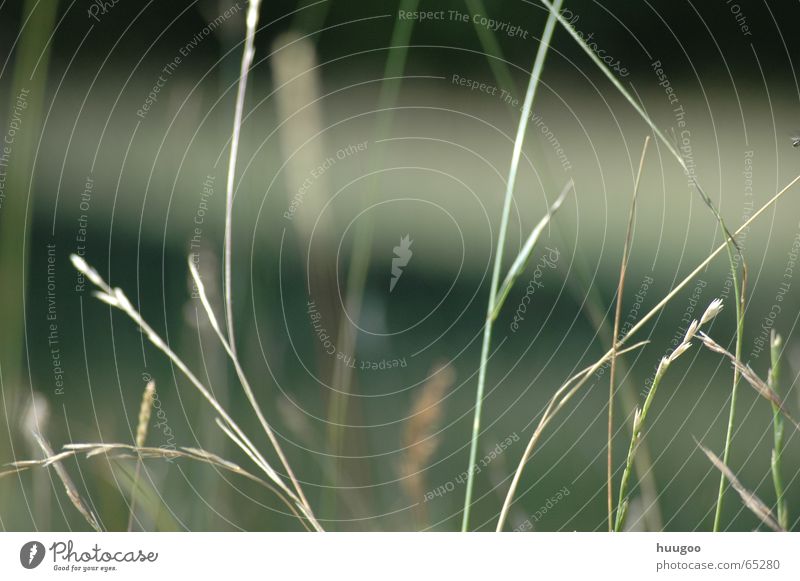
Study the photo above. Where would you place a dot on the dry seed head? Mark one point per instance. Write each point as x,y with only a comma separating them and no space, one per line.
122,300
144,413
711,344
662,366
106,298
691,331
35,418
82,266
712,311
637,414
679,351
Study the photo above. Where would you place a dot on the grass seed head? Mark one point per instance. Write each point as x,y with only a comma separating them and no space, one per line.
712,311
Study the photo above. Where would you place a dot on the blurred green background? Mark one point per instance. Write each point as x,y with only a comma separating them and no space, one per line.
136,185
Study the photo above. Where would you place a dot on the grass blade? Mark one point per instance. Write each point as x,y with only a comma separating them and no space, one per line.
640,417
248,52
533,83
524,255
491,47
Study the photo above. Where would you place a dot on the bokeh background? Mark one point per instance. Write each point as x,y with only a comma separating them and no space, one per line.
362,127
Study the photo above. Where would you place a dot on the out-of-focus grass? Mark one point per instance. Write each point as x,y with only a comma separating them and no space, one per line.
28,86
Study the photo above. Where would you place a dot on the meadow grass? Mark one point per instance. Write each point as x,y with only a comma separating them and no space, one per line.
419,435
731,244
572,385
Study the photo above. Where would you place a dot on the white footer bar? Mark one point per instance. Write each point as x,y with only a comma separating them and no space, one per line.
406,556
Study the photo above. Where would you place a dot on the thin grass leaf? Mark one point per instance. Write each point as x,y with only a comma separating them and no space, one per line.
268,470
671,146
524,255
360,261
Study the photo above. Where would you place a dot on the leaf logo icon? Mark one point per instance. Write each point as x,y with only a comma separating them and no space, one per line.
31,554
402,254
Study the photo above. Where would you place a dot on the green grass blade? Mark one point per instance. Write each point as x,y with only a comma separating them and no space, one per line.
521,261
533,83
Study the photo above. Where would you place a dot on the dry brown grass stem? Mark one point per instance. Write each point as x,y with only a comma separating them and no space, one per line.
750,500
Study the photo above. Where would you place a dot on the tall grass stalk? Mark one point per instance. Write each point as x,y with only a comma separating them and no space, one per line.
251,23
533,83
491,47
731,243
774,382
31,49
740,305
574,383
617,315
643,463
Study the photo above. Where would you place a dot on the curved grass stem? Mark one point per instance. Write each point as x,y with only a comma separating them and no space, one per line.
533,83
